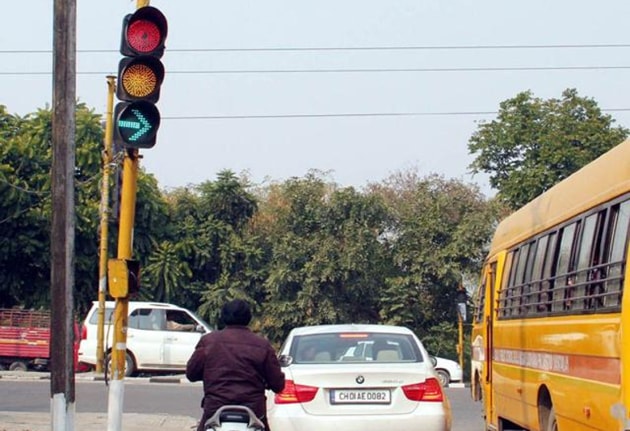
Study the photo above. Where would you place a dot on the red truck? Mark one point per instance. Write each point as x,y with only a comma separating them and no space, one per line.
25,340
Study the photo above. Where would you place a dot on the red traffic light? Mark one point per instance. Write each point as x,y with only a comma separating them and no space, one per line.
144,33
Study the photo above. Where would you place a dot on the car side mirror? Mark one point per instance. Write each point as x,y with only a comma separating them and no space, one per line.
433,360
285,360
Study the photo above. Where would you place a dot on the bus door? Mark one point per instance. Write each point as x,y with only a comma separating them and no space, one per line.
481,370
490,285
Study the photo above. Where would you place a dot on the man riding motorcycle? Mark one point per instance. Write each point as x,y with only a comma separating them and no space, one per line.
236,365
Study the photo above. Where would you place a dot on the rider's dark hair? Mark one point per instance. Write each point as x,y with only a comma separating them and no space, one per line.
236,312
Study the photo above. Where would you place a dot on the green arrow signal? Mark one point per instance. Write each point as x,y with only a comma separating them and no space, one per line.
136,124
142,125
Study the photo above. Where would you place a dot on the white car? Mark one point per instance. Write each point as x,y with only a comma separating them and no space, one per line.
160,336
357,378
448,371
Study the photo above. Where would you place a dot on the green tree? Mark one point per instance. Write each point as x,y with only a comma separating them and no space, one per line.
25,208
535,143
209,257
25,158
437,234
325,260
24,212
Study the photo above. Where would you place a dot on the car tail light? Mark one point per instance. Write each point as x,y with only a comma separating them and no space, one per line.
430,390
83,332
295,393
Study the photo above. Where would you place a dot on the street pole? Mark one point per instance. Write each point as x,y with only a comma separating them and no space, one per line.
104,229
63,214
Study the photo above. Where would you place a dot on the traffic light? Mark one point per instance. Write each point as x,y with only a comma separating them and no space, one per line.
140,76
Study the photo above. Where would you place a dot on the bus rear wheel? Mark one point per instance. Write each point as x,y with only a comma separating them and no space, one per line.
552,424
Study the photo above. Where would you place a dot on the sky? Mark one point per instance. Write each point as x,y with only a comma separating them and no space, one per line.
357,89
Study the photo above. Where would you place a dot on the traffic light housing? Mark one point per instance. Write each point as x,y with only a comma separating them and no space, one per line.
123,277
140,76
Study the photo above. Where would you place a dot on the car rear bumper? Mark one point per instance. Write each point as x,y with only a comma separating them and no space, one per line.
294,418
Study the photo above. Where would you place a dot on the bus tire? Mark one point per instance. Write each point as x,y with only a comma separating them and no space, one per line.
552,423
477,392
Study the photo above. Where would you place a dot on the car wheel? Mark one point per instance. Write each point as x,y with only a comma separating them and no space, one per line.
130,368
444,377
18,366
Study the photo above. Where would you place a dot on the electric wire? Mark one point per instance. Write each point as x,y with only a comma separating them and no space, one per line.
349,71
347,48
375,70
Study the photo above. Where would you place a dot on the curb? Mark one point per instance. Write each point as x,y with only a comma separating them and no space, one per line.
38,375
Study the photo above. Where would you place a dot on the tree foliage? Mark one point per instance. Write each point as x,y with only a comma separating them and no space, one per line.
25,208
535,143
326,264
437,233
303,251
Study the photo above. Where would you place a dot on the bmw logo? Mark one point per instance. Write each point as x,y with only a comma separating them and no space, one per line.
360,379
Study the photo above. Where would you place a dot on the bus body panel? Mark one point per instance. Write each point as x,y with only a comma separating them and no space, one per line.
581,378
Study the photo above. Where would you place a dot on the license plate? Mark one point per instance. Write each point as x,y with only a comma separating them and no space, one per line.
360,396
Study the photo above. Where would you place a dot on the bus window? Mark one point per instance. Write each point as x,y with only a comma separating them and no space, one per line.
592,268
584,261
528,295
537,276
547,280
618,228
479,301
516,286
564,281
508,276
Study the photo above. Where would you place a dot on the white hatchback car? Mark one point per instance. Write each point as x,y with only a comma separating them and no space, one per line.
357,378
160,336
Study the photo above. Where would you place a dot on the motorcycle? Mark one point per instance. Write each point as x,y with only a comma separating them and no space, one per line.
234,418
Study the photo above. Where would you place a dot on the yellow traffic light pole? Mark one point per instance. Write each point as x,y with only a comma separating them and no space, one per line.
121,310
125,250
125,243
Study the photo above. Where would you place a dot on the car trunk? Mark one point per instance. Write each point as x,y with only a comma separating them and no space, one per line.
359,389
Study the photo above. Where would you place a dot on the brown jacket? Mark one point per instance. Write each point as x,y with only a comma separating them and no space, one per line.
236,367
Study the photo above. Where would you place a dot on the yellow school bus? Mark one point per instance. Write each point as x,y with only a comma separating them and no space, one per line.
551,324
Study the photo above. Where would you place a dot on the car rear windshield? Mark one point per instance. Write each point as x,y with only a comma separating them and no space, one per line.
355,347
